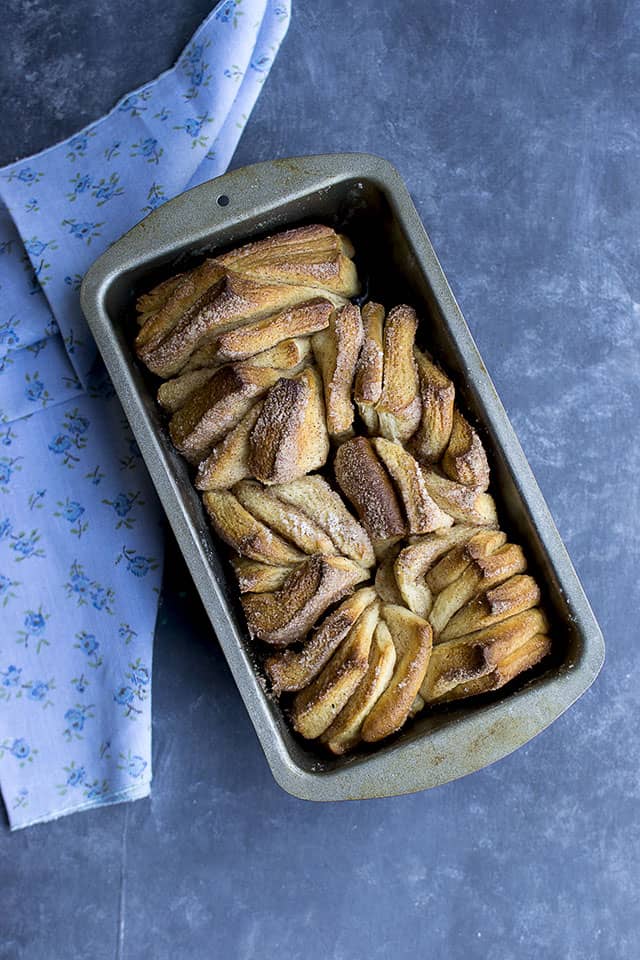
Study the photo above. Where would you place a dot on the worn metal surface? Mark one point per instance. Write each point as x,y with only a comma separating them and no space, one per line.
365,196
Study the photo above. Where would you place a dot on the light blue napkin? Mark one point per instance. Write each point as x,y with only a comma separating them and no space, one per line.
80,533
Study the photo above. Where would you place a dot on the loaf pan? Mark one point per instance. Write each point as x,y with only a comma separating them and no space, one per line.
365,197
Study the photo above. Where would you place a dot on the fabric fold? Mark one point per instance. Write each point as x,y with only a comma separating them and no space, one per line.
80,527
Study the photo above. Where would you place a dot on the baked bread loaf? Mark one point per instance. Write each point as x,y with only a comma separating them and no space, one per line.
334,460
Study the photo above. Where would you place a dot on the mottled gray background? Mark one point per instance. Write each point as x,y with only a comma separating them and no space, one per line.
516,125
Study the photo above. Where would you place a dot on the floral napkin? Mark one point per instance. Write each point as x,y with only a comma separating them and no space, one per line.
80,532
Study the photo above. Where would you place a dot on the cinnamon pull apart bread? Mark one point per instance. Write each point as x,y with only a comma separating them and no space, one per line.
352,490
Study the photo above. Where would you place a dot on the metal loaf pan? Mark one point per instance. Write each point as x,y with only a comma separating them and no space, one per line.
366,197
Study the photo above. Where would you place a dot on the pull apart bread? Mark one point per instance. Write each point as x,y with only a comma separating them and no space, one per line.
353,493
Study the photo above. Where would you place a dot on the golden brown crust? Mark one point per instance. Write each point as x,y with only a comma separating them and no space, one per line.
477,654
482,572
248,536
464,504
301,320
386,585
228,462
412,639
344,732
315,707
517,594
423,513
287,614
465,460
413,563
399,407
256,577
291,670
437,394
370,366
149,303
365,484
290,437
314,497
217,407
290,523
173,394
455,562
336,351
193,291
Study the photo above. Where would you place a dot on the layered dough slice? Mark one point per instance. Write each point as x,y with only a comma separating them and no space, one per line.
370,366
301,320
437,395
422,512
414,562
519,593
465,460
228,462
256,577
290,670
244,533
336,350
412,639
286,520
485,659
283,616
289,439
464,504
399,408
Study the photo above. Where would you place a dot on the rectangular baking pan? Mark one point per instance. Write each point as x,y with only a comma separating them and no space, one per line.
365,197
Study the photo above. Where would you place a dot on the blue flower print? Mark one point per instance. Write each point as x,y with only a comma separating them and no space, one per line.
138,565
124,695
76,424
74,428
39,691
76,718
11,676
78,145
126,633
35,624
80,683
234,72
85,590
72,512
149,149
35,499
8,466
281,12
139,676
133,689
32,206
196,69
8,436
81,183
104,753
76,776
5,528
60,443
86,230
6,589
107,189
162,115
95,476
134,103
35,390
260,64
18,748
26,175
113,151
229,12
122,506
9,337
26,545
192,126
21,799
96,789
75,282
133,764
155,197
35,247
89,646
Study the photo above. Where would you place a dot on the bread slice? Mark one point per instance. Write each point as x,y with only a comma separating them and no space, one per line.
483,572
173,394
386,585
457,560
248,536
290,670
301,320
192,292
228,462
336,350
287,614
465,460
315,498
256,577
290,437
149,303
423,513
286,520
517,594
413,563
217,407
437,394
365,483
464,504
412,639
399,408
370,366
476,655
344,732
315,707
